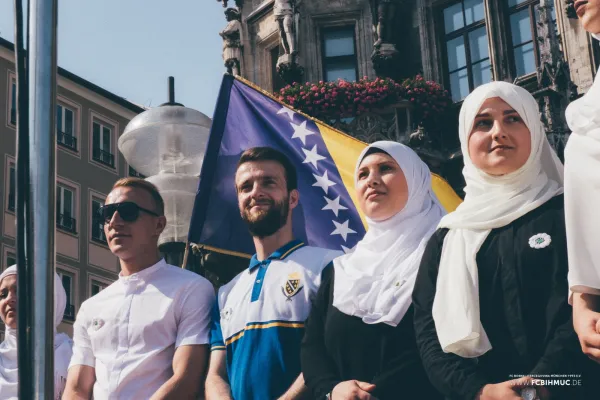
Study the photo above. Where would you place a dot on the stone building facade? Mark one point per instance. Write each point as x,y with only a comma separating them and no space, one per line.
457,43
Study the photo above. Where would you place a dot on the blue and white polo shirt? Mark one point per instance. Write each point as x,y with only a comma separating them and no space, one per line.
259,319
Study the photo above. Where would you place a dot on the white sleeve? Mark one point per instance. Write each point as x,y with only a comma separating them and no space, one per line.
82,345
195,305
582,215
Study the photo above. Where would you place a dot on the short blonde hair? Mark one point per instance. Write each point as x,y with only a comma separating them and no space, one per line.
144,185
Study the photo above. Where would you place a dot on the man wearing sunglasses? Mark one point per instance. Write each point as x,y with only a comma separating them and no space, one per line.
146,335
258,322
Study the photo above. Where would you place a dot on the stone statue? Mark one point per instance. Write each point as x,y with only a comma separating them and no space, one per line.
384,15
386,57
238,3
232,41
283,10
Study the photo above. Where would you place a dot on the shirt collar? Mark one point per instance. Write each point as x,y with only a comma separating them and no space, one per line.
278,254
144,274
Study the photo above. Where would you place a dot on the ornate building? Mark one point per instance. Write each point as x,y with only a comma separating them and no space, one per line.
458,43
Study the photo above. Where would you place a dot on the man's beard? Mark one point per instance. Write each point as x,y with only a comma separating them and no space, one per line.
267,222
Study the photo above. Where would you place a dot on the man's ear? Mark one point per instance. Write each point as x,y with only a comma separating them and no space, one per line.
161,224
294,198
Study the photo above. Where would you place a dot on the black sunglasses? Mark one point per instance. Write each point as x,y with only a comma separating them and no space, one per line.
129,211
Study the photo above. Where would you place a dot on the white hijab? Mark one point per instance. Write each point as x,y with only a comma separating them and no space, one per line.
490,202
376,280
9,369
582,191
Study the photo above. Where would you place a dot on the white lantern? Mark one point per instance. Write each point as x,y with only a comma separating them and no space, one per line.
167,144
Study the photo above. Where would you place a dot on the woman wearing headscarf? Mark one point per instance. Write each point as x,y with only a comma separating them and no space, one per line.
359,341
582,200
491,296
9,370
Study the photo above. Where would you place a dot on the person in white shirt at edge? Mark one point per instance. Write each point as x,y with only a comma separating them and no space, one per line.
146,335
258,321
582,197
9,371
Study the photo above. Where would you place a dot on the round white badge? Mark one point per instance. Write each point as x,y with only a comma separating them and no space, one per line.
540,241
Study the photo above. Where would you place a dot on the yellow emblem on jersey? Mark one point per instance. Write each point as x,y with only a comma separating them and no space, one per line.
292,286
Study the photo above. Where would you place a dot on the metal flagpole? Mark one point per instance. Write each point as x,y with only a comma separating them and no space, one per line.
42,175
24,281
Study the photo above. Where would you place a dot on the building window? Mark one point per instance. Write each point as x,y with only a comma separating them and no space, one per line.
65,127
339,54
11,186
97,287
65,207
466,47
67,281
278,82
13,102
523,17
11,259
97,223
101,142
135,174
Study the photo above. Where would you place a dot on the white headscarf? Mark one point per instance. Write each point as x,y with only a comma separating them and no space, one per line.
490,202
376,280
9,370
582,191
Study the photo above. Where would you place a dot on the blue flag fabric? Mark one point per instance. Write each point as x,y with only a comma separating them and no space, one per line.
246,117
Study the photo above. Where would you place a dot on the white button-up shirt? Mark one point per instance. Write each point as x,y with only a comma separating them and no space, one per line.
129,331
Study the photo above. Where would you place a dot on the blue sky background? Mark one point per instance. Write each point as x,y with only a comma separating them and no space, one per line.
130,47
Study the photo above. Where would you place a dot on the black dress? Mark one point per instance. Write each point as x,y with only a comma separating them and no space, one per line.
338,348
523,295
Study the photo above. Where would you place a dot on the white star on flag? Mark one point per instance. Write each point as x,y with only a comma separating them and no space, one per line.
312,156
342,229
347,250
333,205
301,132
323,182
285,110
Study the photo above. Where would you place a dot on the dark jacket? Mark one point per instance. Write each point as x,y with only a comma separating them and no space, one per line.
523,297
338,347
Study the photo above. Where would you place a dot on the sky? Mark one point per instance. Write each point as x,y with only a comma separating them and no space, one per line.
130,47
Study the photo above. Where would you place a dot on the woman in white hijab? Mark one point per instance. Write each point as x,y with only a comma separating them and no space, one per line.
582,201
8,349
491,295
359,340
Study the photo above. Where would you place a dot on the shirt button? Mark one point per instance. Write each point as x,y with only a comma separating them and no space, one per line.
258,281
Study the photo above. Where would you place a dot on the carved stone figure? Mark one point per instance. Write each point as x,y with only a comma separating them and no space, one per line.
238,3
554,79
384,14
232,41
283,10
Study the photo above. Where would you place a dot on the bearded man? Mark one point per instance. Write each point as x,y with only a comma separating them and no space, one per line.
258,321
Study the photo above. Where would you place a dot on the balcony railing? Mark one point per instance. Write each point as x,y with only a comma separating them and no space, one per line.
11,202
66,140
134,173
65,222
104,157
69,314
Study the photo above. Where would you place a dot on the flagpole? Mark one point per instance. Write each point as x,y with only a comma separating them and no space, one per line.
42,149
22,217
185,255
